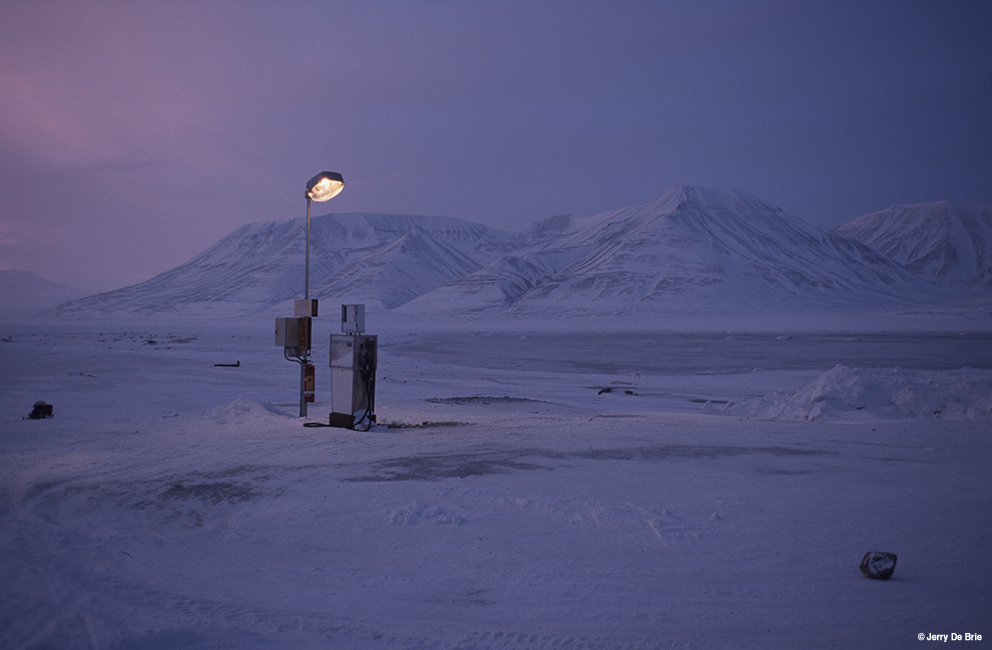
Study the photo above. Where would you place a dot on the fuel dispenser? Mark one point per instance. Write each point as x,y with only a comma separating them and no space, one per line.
354,358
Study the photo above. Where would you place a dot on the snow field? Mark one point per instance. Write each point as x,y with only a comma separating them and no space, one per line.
174,504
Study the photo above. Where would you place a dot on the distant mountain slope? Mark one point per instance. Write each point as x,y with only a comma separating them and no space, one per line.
384,259
24,292
943,242
691,250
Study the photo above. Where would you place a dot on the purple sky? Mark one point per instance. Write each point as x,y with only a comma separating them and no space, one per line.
135,134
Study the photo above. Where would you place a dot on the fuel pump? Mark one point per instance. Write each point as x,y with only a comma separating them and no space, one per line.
354,357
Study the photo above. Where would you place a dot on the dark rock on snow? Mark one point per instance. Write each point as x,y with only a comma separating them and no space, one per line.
878,565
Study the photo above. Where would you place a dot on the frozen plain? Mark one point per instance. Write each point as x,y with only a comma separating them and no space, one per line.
507,499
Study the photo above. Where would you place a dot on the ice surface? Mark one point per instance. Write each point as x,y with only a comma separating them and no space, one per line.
524,490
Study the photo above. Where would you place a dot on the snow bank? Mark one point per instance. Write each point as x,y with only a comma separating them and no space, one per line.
844,393
246,411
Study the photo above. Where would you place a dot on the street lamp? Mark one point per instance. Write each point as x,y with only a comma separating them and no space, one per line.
322,187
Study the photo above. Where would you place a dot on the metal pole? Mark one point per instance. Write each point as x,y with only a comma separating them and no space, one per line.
306,280
305,354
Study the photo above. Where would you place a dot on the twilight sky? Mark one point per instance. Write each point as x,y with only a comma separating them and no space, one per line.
134,134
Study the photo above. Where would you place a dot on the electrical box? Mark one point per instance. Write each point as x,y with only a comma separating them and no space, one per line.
287,333
354,358
293,333
353,319
305,308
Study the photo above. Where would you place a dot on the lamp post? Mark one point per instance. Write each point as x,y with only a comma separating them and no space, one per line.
322,187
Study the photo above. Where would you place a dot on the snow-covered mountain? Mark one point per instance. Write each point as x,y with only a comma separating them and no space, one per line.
691,250
944,242
23,293
378,259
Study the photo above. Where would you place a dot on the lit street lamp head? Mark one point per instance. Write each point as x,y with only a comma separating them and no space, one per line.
325,186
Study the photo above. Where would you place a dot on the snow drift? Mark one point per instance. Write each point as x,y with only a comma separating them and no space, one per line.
844,393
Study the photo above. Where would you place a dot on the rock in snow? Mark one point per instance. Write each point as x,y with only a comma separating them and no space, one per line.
878,565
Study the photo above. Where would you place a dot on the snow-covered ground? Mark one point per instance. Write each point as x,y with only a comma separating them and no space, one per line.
523,490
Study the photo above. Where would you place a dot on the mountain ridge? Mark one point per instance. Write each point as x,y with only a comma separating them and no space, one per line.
23,293
945,242
259,266
690,250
